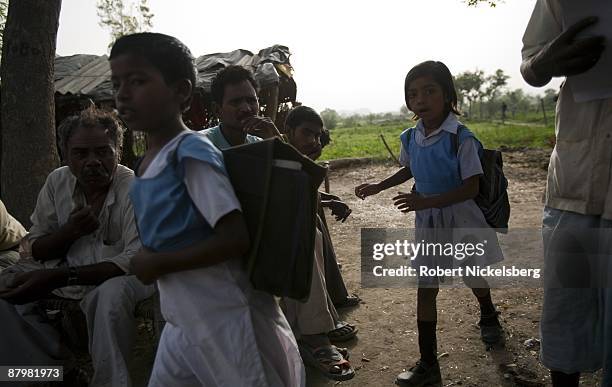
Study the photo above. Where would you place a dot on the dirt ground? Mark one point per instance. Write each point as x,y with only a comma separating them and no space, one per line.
387,338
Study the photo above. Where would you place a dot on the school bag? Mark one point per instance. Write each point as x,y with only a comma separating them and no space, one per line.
492,198
277,189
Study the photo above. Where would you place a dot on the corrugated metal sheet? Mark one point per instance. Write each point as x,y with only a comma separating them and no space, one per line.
86,79
67,65
90,74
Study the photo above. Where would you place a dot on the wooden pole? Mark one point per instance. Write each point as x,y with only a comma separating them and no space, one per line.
543,112
382,137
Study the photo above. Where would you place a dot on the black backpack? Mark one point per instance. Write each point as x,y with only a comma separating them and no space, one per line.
493,187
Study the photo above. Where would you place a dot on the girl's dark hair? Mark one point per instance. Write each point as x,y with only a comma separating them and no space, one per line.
166,53
301,114
230,75
441,75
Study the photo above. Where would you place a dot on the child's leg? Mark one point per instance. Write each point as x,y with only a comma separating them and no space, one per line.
426,323
427,370
480,288
490,328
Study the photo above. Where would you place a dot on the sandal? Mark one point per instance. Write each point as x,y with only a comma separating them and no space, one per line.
348,302
343,351
328,360
343,332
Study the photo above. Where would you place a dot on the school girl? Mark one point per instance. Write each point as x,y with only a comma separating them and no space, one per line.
442,156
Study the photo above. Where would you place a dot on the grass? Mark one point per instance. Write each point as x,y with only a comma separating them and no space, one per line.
364,141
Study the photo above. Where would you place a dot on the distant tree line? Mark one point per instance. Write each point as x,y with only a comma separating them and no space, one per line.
480,97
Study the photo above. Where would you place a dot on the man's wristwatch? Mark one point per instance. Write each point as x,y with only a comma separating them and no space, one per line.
73,276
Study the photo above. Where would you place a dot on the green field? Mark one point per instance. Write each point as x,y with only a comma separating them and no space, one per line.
364,141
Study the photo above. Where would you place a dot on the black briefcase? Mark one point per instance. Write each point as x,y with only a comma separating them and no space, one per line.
277,189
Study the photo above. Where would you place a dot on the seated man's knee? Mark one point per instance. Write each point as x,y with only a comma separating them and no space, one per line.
114,293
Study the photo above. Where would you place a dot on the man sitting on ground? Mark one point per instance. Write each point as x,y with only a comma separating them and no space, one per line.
83,236
11,232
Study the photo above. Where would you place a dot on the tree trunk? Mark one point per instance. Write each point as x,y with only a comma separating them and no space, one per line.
128,158
27,106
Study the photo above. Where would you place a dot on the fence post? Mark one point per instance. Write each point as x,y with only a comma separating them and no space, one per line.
543,111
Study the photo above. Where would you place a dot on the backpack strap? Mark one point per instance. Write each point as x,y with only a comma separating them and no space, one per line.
407,134
455,139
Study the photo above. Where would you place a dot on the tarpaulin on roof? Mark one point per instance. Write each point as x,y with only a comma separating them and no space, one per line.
262,65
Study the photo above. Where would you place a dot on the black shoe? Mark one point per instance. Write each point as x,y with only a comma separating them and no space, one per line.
422,374
491,331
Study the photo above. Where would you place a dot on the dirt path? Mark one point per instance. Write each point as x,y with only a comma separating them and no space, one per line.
387,340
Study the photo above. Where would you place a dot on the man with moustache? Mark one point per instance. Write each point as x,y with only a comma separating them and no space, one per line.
82,238
234,93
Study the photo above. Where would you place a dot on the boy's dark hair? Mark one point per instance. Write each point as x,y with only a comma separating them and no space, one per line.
90,118
441,75
301,114
166,53
230,75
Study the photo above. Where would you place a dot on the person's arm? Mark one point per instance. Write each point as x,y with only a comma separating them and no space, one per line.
406,202
470,169
34,285
230,239
564,55
261,126
49,239
327,196
11,231
338,208
56,244
367,189
213,195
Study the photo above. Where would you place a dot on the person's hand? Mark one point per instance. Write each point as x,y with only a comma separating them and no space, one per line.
82,221
339,209
32,286
145,266
566,55
362,191
333,197
260,126
407,202
328,196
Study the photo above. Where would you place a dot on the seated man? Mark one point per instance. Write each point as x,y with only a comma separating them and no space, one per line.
316,321
234,92
333,278
11,232
82,237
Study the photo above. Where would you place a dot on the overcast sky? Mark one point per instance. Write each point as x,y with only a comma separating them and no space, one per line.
347,55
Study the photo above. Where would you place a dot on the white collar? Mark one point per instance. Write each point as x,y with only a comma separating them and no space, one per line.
449,124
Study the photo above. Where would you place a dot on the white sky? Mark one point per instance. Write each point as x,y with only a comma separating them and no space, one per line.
347,55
